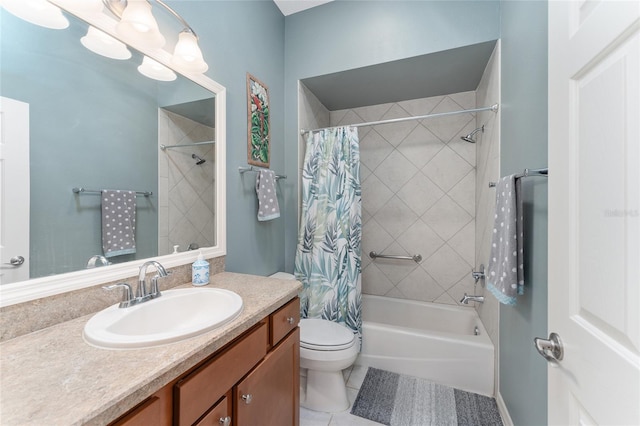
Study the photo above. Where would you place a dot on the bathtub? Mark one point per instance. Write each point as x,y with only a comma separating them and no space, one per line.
428,340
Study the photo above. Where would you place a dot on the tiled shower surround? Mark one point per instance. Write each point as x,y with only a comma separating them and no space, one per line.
418,194
186,191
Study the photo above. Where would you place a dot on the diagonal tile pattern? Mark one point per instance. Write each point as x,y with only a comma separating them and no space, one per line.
186,193
418,196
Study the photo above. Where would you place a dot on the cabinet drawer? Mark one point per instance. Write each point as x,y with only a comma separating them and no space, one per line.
198,391
217,415
284,320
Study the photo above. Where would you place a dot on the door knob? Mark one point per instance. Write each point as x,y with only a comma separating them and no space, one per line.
247,398
225,421
291,320
16,261
551,349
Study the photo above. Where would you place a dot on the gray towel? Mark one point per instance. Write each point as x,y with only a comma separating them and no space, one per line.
267,200
505,274
118,222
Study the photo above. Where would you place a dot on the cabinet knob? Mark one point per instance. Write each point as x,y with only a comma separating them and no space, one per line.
291,320
247,398
225,421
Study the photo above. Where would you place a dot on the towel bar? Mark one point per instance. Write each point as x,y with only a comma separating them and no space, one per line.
257,169
78,190
416,257
527,173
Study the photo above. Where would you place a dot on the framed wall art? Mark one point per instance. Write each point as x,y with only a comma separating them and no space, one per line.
258,128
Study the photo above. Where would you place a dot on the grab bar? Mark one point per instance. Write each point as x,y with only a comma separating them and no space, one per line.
416,257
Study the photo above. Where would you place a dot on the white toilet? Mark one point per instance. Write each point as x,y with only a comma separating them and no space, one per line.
326,348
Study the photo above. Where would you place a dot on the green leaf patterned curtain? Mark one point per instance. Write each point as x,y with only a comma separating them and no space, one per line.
328,252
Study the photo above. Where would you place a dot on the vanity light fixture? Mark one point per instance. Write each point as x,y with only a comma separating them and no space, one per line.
155,70
38,12
103,44
87,6
137,22
187,55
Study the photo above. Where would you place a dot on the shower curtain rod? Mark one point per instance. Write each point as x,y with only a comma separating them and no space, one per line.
165,147
493,108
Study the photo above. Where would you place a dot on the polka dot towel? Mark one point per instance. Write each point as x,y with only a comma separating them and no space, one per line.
267,200
118,222
505,273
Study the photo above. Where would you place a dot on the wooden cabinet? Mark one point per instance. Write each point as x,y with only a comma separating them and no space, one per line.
268,395
262,366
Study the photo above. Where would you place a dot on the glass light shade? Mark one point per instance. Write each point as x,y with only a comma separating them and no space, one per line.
137,23
89,6
155,70
38,12
187,54
103,44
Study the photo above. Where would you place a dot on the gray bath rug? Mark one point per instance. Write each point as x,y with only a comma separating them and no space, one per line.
398,400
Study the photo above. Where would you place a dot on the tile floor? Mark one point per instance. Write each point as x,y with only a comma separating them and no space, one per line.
353,377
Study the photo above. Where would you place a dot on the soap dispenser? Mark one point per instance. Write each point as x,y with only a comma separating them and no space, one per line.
200,271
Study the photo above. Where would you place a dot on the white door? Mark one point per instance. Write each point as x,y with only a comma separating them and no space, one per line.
14,191
594,211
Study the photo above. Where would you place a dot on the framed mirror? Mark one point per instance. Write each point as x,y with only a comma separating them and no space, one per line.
92,123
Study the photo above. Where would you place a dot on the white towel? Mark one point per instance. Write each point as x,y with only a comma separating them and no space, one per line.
118,222
505,273
268,208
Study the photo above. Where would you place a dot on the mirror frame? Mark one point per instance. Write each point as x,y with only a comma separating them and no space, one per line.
24,291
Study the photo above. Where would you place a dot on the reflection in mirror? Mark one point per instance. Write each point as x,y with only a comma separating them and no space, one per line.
97,123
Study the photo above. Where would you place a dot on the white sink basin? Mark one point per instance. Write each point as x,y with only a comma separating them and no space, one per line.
176,315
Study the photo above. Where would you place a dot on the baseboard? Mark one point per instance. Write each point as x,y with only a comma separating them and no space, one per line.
504,413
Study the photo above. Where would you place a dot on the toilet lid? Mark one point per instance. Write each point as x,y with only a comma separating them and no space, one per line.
325,335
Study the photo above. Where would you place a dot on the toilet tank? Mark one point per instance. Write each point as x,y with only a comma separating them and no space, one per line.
283,276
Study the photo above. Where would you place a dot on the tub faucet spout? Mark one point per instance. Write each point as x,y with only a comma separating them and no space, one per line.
466,299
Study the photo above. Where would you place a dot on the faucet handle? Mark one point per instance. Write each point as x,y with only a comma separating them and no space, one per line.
155,291
126,297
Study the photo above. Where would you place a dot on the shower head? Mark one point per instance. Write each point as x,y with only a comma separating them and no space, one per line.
469,138
198,159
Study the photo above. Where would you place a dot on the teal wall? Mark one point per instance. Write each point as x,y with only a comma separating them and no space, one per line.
75,97
239,37
344,35
523,373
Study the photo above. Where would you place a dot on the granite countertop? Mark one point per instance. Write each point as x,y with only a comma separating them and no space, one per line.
53,377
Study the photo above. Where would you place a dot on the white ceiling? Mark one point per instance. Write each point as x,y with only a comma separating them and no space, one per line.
288,7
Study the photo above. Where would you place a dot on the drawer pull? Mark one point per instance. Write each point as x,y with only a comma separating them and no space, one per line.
225,421
247,398
291,320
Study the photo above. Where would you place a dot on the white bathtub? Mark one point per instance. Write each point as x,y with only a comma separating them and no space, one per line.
427,340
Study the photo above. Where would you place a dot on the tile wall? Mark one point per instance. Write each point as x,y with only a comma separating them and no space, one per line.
418,197
186,191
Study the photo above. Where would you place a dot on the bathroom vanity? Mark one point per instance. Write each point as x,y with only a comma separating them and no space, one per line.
243,373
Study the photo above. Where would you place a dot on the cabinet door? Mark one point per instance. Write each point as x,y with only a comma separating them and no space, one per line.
269,395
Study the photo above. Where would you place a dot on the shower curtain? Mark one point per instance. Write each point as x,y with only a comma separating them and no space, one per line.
328,253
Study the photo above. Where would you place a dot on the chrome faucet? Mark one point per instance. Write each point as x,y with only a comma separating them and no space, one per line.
466,298
142,295
97,258
141,291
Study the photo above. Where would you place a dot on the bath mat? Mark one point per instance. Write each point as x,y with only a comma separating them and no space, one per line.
397,400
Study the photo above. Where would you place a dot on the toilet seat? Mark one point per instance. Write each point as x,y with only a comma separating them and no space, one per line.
323,335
